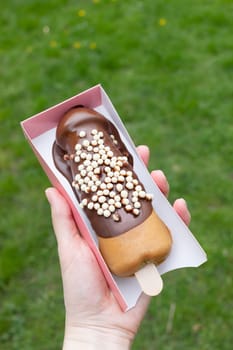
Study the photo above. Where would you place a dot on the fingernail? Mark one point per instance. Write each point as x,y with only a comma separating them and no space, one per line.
47,194
144,149
164,176
144,146
184,202
187,217
161,173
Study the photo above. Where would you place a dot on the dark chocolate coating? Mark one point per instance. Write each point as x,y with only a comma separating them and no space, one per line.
67,136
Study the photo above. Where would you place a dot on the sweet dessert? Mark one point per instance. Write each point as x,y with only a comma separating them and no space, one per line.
89,152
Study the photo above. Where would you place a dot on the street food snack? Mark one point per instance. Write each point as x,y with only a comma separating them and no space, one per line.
89,152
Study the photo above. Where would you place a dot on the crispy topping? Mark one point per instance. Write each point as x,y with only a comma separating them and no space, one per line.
82,134
101,173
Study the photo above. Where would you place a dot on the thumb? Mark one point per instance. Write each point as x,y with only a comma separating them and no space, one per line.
62,218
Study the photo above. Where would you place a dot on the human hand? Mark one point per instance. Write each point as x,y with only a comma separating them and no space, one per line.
93,316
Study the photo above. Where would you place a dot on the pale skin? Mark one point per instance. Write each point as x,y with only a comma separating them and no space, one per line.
94,319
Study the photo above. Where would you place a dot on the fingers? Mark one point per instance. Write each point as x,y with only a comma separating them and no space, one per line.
180,205
62,219
157,175
144,154
181,208
161,181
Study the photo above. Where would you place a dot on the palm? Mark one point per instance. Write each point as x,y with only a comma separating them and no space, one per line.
86,293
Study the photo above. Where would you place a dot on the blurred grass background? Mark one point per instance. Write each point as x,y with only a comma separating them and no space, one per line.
168,68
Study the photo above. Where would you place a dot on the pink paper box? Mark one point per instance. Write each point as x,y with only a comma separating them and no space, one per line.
40,133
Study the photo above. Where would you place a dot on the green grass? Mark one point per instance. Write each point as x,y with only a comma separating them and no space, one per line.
172,86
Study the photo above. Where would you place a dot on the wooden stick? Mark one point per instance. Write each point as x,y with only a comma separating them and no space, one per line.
150,280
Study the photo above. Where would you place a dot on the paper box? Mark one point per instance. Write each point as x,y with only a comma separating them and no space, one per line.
40,133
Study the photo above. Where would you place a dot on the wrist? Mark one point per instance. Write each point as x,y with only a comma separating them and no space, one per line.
91,338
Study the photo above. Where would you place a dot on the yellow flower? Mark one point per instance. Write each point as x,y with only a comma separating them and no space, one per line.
77,45
29,49
53,43
162,22
81,13
92,46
